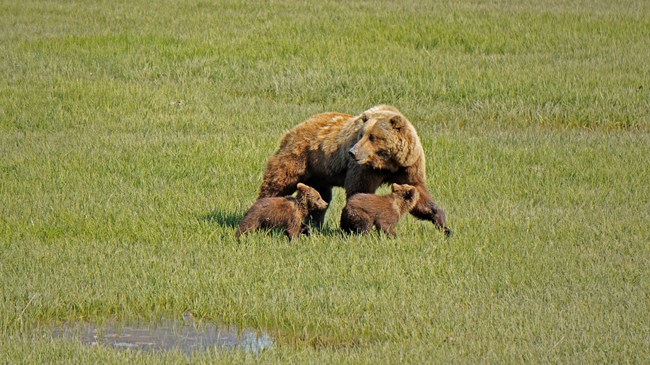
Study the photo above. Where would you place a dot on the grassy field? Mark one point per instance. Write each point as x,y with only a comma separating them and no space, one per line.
134,135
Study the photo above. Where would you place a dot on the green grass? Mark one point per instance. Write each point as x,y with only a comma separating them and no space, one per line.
133,137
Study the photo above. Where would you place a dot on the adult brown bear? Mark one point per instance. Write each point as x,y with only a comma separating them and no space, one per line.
358,153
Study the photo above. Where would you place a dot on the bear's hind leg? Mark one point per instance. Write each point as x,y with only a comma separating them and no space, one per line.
282,175
362,227
355,221
245,226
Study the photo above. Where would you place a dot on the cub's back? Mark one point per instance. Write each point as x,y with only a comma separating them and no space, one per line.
370,203
273,210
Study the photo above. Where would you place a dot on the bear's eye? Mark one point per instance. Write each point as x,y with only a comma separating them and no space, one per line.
371,138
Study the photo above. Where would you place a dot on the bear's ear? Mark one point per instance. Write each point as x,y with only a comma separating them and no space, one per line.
395,187
301,187
363,117
397,122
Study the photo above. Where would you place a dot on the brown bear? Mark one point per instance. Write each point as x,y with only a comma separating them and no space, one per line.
363,211
358,153
283,212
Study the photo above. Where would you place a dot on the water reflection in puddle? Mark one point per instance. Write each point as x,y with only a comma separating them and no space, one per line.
167,335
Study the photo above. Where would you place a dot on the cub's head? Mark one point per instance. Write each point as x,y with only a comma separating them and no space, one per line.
408,193
310,198
387,140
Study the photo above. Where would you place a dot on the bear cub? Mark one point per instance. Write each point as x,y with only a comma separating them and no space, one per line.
363,211
283,212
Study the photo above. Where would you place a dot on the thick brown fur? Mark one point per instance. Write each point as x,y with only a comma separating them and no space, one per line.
362,211
358,153
283,212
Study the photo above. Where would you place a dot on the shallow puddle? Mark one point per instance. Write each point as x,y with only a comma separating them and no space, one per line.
167,335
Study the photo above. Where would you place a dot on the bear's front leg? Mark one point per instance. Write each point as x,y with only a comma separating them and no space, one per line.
294,229
316,218
360,179
390,230
427,209
304,229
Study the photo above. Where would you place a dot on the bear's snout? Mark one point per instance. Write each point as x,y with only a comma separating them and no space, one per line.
358,156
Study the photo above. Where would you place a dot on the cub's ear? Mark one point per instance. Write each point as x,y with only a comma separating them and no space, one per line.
302,187
415,194
397,122
410,194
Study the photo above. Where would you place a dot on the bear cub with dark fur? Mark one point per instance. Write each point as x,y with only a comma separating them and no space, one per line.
286,212
363,211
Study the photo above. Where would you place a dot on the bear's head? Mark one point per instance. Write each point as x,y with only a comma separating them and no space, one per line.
387,140
407,193
310,198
